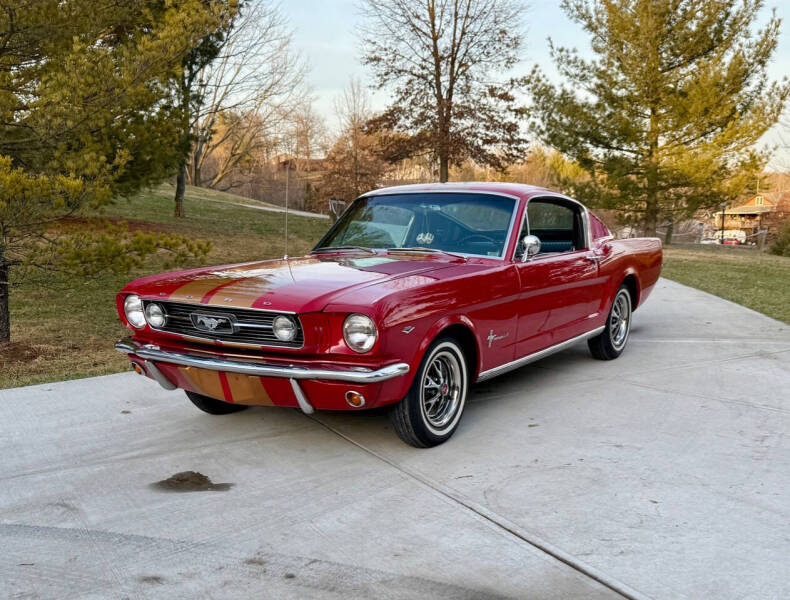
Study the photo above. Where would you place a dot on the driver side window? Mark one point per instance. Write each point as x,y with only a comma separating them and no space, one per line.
557,223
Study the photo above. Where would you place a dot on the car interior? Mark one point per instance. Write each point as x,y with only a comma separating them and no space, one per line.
557,223
471,224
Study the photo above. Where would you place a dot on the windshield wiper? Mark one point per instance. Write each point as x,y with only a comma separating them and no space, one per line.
333,248
424,249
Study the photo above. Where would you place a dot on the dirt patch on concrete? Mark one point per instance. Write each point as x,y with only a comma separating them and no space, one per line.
190,481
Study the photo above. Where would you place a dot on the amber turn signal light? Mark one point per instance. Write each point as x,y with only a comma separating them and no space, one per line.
355,399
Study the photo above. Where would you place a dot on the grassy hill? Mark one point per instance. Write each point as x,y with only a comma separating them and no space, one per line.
64,328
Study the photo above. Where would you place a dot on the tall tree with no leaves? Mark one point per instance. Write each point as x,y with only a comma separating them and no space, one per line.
190,89
242,96
665,118
354,163
441,59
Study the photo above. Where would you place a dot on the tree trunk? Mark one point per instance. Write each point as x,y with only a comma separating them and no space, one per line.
651,199
444,168
197,160
5,313
181,185
651,217
670,232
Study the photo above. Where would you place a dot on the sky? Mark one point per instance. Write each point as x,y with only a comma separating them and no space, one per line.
324,32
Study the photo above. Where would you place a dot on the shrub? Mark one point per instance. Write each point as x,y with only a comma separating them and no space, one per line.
781,246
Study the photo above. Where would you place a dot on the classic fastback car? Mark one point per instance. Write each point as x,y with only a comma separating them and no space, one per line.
413,294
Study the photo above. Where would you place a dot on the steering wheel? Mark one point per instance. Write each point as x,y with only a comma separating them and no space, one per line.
469,238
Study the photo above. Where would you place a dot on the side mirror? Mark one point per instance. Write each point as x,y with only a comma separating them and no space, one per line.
531,246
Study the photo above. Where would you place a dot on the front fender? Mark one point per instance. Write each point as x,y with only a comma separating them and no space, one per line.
436,329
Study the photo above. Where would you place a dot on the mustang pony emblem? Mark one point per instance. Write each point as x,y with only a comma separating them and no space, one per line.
212,323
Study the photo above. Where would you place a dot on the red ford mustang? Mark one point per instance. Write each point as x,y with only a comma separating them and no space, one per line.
412,295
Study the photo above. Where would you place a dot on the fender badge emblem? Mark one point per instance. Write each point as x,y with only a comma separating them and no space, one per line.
227,299
495,338
407,329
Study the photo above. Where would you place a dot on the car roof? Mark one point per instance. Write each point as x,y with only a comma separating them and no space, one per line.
519,190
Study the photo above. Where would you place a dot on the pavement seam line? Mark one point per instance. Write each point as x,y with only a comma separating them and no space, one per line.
499,521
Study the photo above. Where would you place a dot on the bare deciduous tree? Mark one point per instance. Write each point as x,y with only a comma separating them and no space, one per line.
310,135
441,57
354,164
245,94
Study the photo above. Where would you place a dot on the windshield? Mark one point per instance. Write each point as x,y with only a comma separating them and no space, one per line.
472,224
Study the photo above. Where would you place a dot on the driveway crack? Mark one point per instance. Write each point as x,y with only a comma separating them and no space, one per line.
497,521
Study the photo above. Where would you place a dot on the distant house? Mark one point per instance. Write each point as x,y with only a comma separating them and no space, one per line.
749,217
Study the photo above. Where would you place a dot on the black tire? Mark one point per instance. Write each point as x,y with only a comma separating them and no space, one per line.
423,427
213,406
613,339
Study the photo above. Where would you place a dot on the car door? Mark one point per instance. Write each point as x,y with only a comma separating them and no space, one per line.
560,291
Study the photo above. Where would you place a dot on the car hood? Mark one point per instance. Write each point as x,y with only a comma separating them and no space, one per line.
301,285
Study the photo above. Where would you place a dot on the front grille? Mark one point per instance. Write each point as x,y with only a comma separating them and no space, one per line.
248,326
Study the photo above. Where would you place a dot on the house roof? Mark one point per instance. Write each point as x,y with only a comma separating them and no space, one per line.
749,210
756,205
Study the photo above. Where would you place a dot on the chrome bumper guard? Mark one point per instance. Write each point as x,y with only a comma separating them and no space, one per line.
153,354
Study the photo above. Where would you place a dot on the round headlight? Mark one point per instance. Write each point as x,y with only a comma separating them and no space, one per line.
284,328
155,315
133,309
359,331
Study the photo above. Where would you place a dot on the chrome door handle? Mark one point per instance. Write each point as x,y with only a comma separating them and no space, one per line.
593,258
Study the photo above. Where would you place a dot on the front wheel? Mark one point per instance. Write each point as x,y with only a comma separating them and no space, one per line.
213,406
430,412
612,340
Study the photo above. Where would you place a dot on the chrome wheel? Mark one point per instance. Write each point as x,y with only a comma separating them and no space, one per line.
429,413
620,320
442,389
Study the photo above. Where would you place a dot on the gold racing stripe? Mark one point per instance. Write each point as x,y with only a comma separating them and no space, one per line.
207,382
247,389
240,294
195,290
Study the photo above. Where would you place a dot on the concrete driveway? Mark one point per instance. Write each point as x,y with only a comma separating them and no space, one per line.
663,474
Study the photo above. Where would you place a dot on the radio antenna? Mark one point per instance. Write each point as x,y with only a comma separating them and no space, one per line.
287,174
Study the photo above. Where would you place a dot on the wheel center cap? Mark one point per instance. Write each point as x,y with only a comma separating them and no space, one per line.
445,389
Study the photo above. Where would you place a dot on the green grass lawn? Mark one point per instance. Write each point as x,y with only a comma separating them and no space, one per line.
64,328
751,278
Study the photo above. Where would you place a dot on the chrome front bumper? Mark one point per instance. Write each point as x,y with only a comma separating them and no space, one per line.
153,354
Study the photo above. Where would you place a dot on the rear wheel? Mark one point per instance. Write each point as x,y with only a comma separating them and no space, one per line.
213,406
612,340
430,412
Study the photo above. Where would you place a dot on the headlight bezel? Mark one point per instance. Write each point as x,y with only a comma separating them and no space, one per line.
353,325
293,325
135,315
152,307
